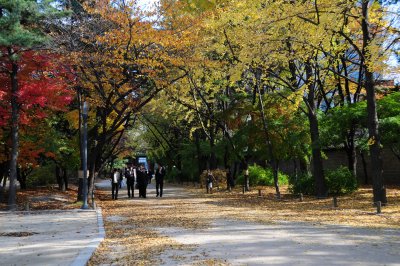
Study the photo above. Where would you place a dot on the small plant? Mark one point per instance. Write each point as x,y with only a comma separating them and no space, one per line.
340,181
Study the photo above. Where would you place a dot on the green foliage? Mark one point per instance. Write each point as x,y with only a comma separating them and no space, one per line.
42,176
335,124
21,21
173,174
302,184
259,176
189,163
340,181
389,121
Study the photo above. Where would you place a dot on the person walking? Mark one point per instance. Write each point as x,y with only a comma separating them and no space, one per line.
160,174
142,181
209,181
114,184
130,181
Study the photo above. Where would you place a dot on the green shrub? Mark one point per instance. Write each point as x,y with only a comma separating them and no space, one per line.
302,184
259,176
340,181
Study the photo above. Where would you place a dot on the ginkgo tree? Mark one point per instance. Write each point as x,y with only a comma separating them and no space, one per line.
122,60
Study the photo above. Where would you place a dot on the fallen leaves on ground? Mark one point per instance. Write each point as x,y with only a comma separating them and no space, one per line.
18,234
132,237
46,198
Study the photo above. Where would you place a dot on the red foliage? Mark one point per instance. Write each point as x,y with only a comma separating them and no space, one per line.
42,87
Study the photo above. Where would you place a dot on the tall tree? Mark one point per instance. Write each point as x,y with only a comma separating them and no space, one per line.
22,27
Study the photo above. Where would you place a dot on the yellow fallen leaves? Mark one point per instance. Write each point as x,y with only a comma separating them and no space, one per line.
132,238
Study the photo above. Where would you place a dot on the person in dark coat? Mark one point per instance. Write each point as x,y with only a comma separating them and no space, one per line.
130,181
114,183
209,181
149,175
142,182
160,174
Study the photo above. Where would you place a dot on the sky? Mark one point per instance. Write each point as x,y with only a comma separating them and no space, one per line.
146,3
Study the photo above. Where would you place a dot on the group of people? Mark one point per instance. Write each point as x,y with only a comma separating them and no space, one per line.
137,178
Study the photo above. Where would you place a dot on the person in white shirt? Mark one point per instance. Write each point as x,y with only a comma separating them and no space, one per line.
114,183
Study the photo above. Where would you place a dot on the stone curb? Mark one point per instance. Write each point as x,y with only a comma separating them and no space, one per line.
85,254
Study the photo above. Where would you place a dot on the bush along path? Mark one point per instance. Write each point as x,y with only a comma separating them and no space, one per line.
188,227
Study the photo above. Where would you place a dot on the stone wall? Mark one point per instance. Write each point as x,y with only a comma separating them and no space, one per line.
336,158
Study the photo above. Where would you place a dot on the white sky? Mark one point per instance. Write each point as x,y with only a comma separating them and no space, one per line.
146,3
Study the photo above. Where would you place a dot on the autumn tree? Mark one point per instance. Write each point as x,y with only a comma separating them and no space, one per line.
122,60
22,28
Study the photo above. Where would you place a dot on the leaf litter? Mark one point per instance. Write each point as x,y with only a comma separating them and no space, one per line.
134,239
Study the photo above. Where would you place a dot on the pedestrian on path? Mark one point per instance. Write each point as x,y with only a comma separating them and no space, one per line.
142,181
130,181
160,174
210,179
114,183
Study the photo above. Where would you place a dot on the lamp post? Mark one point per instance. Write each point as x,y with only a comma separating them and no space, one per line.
85,110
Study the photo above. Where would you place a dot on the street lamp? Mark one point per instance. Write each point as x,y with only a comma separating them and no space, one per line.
85,111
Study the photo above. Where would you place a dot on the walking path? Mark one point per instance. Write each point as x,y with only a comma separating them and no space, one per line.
64,237
228,241
243,243
69,237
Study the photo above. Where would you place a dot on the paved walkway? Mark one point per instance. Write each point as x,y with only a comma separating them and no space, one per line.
65,237
244,243
236,242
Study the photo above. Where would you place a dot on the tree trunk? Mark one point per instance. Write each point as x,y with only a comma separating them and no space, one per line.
12,192
64,180
213,158
80,180
364,163
246,184
58,177
318,170
198,152
22,180
275,170
3,188
295,170
351,151
379,192
268,141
